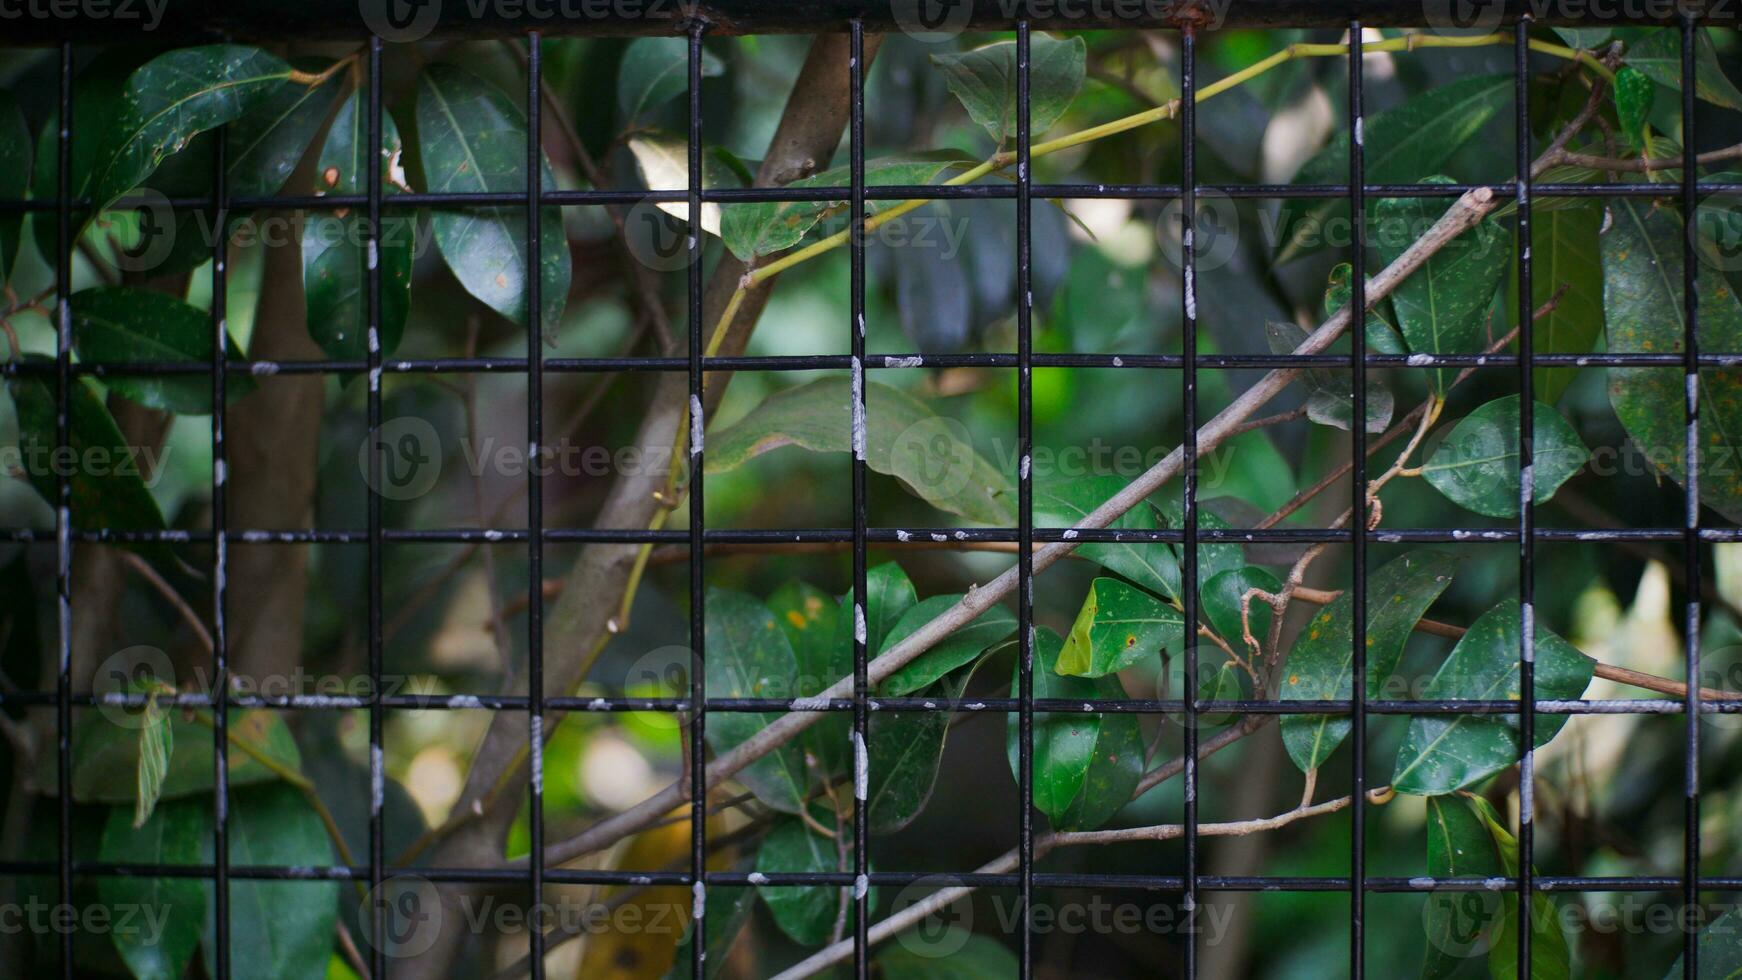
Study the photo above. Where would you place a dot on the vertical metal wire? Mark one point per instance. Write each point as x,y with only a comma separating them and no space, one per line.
1025,495
372,280
1189,563
1691,519
856,332
535,495
63,287
220,549
1526,501
1358,512
698,593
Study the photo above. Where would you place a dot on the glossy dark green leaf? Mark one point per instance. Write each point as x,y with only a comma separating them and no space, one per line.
818,628
1549,955
1064,504
1118,626
1642,287
265,144
1564,253
1658,54
1213,559
472,139
1402,145
1382,337
930,454
1443,753
750,230
108,490
165,914
334,243
1634,93
98,96
749,657
1461,925
15,161
806,914
1086,765
655,70
1223,595
1330,391
960,647
115,323
903,750
1720,955
1319,668
1476,466
278,929
1442,307
176,96
728,908
106,755
984,80
978,958
1718,222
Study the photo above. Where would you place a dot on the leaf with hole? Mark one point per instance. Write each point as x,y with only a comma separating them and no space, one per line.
179,833
750,230
277,928
118,324
655,70
472,139
1400,145
930,454
1442,307
1658,55
1086,764
335,254
1642,288
1476,466
749,657
1117,627
1319,666
984,80
1444,753
1330,391
963,646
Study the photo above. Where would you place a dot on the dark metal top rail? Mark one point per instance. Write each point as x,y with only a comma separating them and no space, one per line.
44,21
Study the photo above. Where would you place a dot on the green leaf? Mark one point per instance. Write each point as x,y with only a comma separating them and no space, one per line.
978,958
106,755
960,647
889,594
1720,949
1382,337
1444,753
1476,466
655,70
1442,307
1064,504
984,79
1584,38
334,252
1564,251
15,160
114,323
1319,667
750,230
928,453
179,832
813,623
174,97
806,914
264,145
1642,287
1633,93
278,929
1118,626
1460,925
1086,765
1549,956
472,139
902,750
721,930
1330,391
156,738
108,490
1222,596
1659,56
749,657
1402,145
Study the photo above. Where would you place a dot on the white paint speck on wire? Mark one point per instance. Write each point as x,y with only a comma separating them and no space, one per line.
695,425
858,409
861,769
700,907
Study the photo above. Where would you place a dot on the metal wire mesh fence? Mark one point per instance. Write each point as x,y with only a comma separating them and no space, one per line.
540,705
